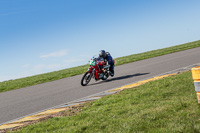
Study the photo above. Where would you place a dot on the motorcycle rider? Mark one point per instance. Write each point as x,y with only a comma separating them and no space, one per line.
108,58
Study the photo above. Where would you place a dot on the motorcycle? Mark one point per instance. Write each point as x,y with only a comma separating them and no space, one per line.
98,69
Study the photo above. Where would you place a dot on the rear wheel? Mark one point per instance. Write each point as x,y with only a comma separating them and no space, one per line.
86,78
105,76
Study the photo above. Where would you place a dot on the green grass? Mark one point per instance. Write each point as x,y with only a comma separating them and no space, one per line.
47,77
167,105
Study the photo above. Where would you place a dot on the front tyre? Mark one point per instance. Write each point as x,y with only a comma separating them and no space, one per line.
86,78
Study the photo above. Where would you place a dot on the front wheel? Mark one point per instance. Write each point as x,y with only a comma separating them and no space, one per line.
86,78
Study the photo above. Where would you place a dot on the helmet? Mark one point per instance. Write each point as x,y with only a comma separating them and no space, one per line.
102,54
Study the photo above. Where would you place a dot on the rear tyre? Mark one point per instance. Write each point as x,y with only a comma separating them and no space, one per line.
106,75
86,78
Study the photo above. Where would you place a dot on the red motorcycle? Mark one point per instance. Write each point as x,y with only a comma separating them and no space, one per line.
98,70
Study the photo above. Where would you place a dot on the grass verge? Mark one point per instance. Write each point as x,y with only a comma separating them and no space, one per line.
47,77
166,105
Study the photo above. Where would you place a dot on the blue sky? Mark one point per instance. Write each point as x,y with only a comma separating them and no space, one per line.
39,36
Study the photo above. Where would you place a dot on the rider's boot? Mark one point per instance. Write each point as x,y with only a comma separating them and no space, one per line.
111,73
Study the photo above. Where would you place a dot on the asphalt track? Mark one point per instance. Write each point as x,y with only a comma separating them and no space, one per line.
25,101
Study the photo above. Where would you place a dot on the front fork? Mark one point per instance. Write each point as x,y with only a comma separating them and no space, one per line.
93,73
